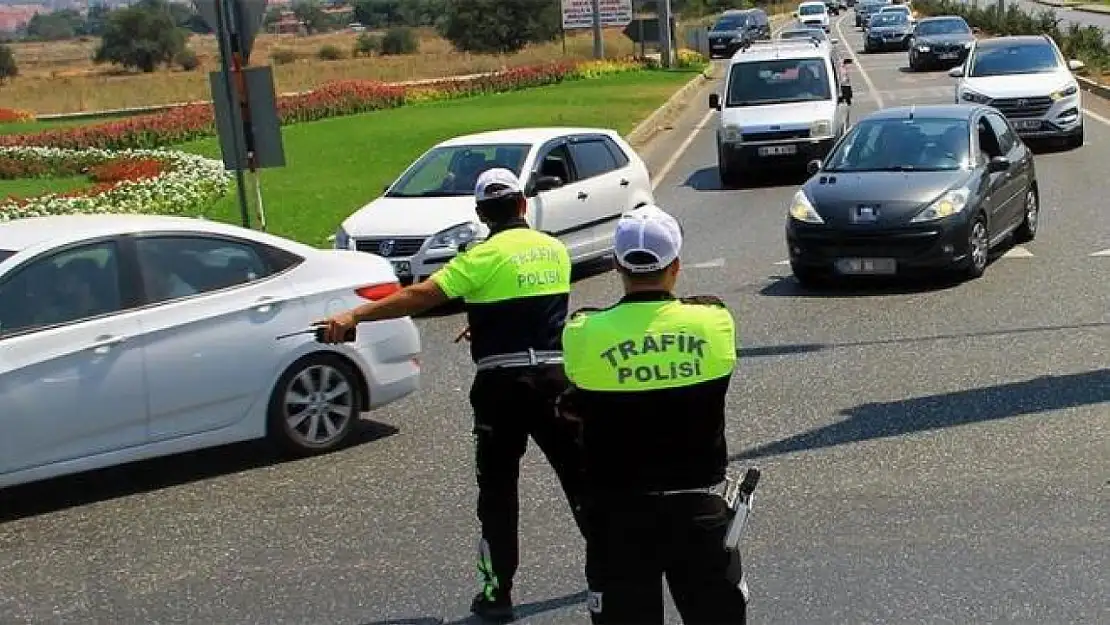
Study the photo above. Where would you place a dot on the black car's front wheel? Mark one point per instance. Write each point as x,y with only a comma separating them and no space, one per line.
1027,231
978,247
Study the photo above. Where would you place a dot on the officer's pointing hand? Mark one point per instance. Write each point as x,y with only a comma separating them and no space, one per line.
336,327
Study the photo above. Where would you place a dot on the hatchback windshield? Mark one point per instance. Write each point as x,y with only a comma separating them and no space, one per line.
737,22
943,27
812,9
920,144
1023,58
778,82
888,19
453,171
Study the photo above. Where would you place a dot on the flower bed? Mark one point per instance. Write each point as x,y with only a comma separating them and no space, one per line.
162,182
1086,43
15,116
333,99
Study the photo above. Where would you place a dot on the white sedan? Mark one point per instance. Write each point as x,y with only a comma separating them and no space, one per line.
129,337
578,182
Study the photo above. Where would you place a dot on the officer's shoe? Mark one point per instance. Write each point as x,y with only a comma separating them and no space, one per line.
499,609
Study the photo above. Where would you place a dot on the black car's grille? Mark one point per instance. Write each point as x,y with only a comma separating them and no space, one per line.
1022,107
955,48
896,244
775,135
390,247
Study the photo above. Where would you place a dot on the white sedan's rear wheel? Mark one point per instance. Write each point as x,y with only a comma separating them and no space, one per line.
314,406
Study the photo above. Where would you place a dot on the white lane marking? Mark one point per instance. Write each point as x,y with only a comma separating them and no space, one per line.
1095,116
689,140
783,262
709,264
855,60
1018,252
1105,252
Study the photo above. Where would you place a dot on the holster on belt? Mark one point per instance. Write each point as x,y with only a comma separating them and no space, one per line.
738,495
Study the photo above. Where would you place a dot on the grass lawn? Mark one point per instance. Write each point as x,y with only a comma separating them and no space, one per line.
30,187
335,166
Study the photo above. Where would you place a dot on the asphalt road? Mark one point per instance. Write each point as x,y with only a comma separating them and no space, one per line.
931,454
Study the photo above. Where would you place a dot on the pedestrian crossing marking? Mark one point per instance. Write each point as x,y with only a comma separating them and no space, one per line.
1105,252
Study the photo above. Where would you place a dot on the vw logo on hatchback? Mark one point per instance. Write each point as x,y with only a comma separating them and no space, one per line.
385,248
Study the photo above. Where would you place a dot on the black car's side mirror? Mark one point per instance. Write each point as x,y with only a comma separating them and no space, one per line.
814,166
709,28
546,183
846,94
998,164
715,101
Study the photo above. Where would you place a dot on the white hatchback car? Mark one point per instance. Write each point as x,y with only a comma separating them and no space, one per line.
578,182
814,14
1029,81
129,337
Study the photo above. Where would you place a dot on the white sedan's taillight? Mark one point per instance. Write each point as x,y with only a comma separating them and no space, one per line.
375,292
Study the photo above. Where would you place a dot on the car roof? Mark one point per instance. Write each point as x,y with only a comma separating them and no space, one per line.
942,111
811,2
21,234
521,135
942,18
1001,42
781,49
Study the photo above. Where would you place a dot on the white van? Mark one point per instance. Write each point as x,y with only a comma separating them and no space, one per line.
814,14
784,103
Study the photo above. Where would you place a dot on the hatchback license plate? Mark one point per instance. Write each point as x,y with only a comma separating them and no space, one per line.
402,268
867,266
949,55
1026,124
778,150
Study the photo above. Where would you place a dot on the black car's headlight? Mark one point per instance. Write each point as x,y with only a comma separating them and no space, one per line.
802,209
951,203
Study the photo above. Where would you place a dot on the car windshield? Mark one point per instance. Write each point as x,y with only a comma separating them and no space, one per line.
731,23
777,82
812,9
888,19
453,171
943,27
1025,58
919,144
4,254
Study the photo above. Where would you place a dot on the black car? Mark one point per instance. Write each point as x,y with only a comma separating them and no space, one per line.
914,189
886,31
833,7
733,28
866,9
943,41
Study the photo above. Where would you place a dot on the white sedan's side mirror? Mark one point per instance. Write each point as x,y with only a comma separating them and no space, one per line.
1075,65
956,72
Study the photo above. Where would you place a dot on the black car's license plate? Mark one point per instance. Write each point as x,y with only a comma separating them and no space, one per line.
944,56
867,266
402,268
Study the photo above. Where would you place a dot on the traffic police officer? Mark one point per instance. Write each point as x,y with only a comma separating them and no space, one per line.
516,287
648,379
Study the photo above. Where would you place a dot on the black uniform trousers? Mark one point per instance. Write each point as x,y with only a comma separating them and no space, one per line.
635,541
511,404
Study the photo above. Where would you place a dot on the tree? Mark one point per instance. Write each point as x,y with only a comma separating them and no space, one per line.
142,36
55,26
312,15
8,68
499,26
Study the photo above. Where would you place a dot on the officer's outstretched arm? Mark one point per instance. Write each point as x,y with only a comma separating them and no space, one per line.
411,300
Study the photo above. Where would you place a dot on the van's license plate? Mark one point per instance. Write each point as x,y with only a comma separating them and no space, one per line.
778,150
1026,124
867,266
402,268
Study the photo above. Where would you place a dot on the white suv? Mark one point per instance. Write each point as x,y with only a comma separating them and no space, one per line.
784,103
578,182
1028,80
814,14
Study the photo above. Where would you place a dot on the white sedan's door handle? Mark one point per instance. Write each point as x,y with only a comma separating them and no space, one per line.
265,303
104,343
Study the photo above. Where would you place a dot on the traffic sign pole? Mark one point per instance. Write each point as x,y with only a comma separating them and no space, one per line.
665,33
223,35
599,40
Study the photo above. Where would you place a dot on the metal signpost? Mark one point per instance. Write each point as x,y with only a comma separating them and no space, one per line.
596,14
243,98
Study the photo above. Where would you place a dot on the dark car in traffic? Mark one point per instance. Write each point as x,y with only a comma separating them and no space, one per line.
916,189
888,31
940,41
865,9
733,28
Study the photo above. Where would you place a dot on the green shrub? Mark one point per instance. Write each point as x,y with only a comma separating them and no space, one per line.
187,60
282,56
400,40
367,44
328,52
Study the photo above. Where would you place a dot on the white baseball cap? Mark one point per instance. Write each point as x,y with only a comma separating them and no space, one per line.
503,181
652,232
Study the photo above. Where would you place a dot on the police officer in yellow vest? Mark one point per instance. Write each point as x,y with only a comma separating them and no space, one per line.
648,379
516,287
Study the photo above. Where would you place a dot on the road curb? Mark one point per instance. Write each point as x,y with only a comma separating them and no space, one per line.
646,130
1090,8
1094,88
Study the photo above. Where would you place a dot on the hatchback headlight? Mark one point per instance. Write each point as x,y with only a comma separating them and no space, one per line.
971,96
802,209
1060,94
821,128
951,203
455,236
